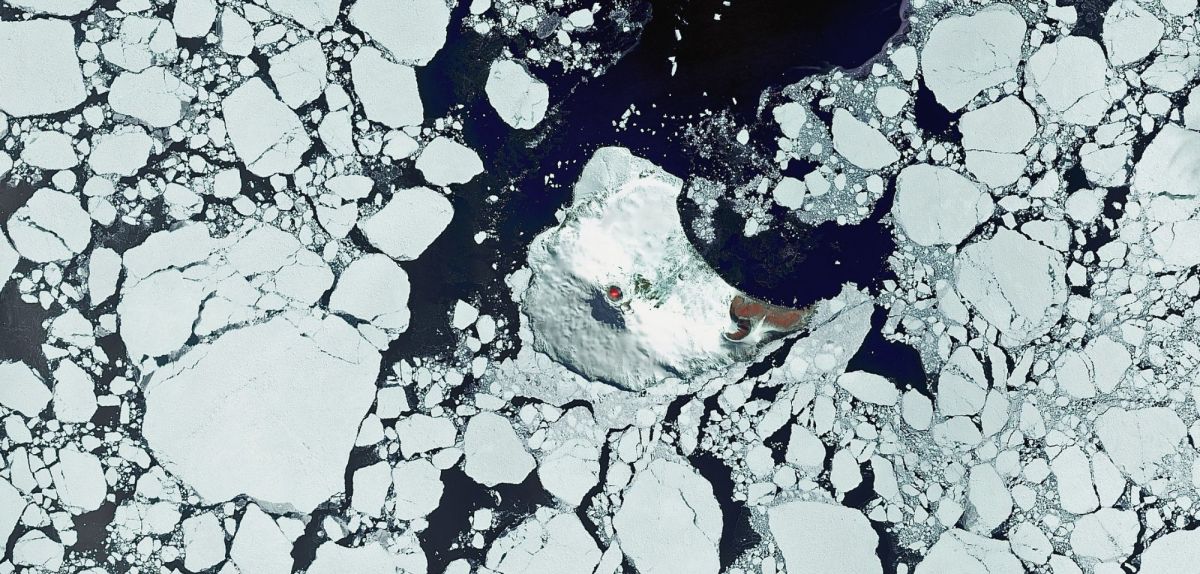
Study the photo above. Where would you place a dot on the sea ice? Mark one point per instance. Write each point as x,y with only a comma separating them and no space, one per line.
408,223
516,95
412,31
266,134
39,73
387,90
669,521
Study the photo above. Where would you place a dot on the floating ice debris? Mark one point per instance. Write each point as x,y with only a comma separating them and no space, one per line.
412,31
40,72
266,134
515,94
409,223
965,55
445,162
388,90
669,521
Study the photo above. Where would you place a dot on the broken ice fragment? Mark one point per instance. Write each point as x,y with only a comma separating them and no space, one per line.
281,401
79,480
387,90
1018,285
965,55
49,150
806,532
445,162
39,73
961,552
371,558
51,226
860,143
1138,440
409,223
669,521
1070,75
193,18
203,542
410,30
259,546
418,489
494,453
519,98
1176,553
121,153
545,543
316,15
266,134
154,96
936,206
299,73
74,393
373,289
22,390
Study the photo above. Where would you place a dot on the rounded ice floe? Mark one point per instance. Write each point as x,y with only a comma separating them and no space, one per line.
122,152
519,98
1130,32
300,73
669,521
1005,126
21,389
410,30
373,289
39,73
1016,284
49,150
965,55
1070,75
387,90
545,543
266,134
807,532
861,144
409,223
193,18
237,36
1175,553
279,401
74,393
154,96
316,15
936,206
493,451
51,226
446,162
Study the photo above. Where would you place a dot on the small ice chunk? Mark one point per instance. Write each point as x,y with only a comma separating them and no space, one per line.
316,15
465,315
39,73
917,410
418,489
1070,75
193,18
140,42
1005,126
962,384
280,401
22,390
444,162
49,150
869,387
374,289
891,100
79,480
1138,440
74,393
494,453
410,30
266,134
300,73
154,96
237,36
806,532
789,193
259,545
936,206
1018,285
350,187
387,90
12,505
519,98
965,55
203,542
669,521
51,226
123,152
861,144
409,223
